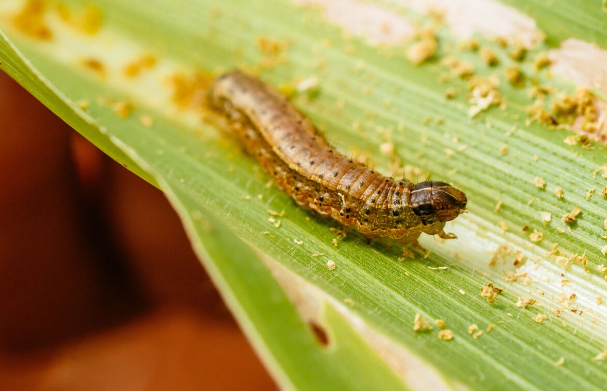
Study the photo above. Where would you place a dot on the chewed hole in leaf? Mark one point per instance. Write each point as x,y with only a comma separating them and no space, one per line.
320,334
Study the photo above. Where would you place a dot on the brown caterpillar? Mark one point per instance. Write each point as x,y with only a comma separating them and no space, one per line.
319,178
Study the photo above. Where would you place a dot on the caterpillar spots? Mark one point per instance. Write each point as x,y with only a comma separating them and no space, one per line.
319,178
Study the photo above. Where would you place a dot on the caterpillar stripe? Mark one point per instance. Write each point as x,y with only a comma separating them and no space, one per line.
319,178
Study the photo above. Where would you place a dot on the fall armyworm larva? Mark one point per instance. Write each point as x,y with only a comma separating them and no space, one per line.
319,178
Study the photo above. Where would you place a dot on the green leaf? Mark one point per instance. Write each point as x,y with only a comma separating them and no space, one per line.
367,96
275,327
567,19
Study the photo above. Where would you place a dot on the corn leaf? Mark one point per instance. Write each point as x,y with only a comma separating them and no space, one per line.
367,96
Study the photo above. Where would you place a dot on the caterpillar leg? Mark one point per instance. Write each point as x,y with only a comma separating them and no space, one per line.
410,242
407,253
417,246
443,235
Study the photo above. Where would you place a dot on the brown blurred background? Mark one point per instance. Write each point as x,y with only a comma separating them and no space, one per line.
99,287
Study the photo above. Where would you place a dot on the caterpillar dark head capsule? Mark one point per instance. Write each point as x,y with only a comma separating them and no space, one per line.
437,201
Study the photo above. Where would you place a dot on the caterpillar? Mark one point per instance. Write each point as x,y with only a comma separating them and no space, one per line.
319,178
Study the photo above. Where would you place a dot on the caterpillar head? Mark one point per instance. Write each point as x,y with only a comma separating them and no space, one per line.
437,202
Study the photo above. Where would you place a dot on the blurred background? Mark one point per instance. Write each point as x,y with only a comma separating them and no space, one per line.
99,286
